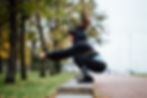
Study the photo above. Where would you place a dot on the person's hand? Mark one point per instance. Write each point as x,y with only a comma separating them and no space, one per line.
42,55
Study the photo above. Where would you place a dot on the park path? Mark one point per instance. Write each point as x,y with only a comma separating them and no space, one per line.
121,86
105,86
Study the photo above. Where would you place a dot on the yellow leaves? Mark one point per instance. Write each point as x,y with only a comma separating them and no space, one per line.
93,32
64,43
4,51
4,54
6,45
50,46
57,35
4,35
27,56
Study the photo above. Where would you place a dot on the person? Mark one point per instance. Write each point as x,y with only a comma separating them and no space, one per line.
84,55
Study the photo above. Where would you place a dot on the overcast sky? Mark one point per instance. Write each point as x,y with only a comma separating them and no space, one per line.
127,21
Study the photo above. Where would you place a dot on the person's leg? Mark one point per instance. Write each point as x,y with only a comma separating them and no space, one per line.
85,64
84,70
96,66
86,75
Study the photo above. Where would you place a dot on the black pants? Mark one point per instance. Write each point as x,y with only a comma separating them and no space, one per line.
88,63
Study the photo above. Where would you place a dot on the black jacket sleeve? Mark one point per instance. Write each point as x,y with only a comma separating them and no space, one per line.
57,55
76,49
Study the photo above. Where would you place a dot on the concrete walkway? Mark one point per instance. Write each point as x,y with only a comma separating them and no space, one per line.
121,86
73,89
105,86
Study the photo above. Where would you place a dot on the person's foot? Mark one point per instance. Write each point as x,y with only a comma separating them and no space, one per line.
86,80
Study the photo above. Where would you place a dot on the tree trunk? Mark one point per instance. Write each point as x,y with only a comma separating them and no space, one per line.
33,55
57,65
40,29
1,67
22,47
10,77
0,55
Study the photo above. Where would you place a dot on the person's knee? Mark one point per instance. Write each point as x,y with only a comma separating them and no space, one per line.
103,67
99,68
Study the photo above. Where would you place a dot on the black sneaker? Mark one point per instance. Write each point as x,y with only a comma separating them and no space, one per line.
86,80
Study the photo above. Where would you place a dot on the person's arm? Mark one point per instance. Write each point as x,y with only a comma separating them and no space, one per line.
61,54
85,20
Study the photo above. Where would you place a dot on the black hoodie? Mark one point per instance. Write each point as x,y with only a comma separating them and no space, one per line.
79,48
82,53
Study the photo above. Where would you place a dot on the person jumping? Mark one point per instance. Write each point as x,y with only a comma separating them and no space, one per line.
84,55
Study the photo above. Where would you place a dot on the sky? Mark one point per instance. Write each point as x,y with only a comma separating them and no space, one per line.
126,24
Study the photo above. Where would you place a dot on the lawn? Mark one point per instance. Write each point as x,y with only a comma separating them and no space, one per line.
33,87
140,74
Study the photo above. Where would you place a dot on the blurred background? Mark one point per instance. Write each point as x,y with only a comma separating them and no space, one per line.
28,27
126,49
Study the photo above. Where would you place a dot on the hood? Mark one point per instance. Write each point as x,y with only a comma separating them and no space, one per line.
79,35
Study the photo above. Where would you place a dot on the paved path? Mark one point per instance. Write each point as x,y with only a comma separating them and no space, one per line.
121,87
72,89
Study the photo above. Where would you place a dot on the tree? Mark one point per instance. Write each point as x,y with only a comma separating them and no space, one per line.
22,46
4,45
42,5
24,14
56,16
10,77
0,54
40,30
4,20
1,65
33,40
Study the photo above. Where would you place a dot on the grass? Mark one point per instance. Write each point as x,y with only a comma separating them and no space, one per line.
33,87
140,74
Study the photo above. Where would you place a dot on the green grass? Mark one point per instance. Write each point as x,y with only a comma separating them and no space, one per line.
33,87
140,74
